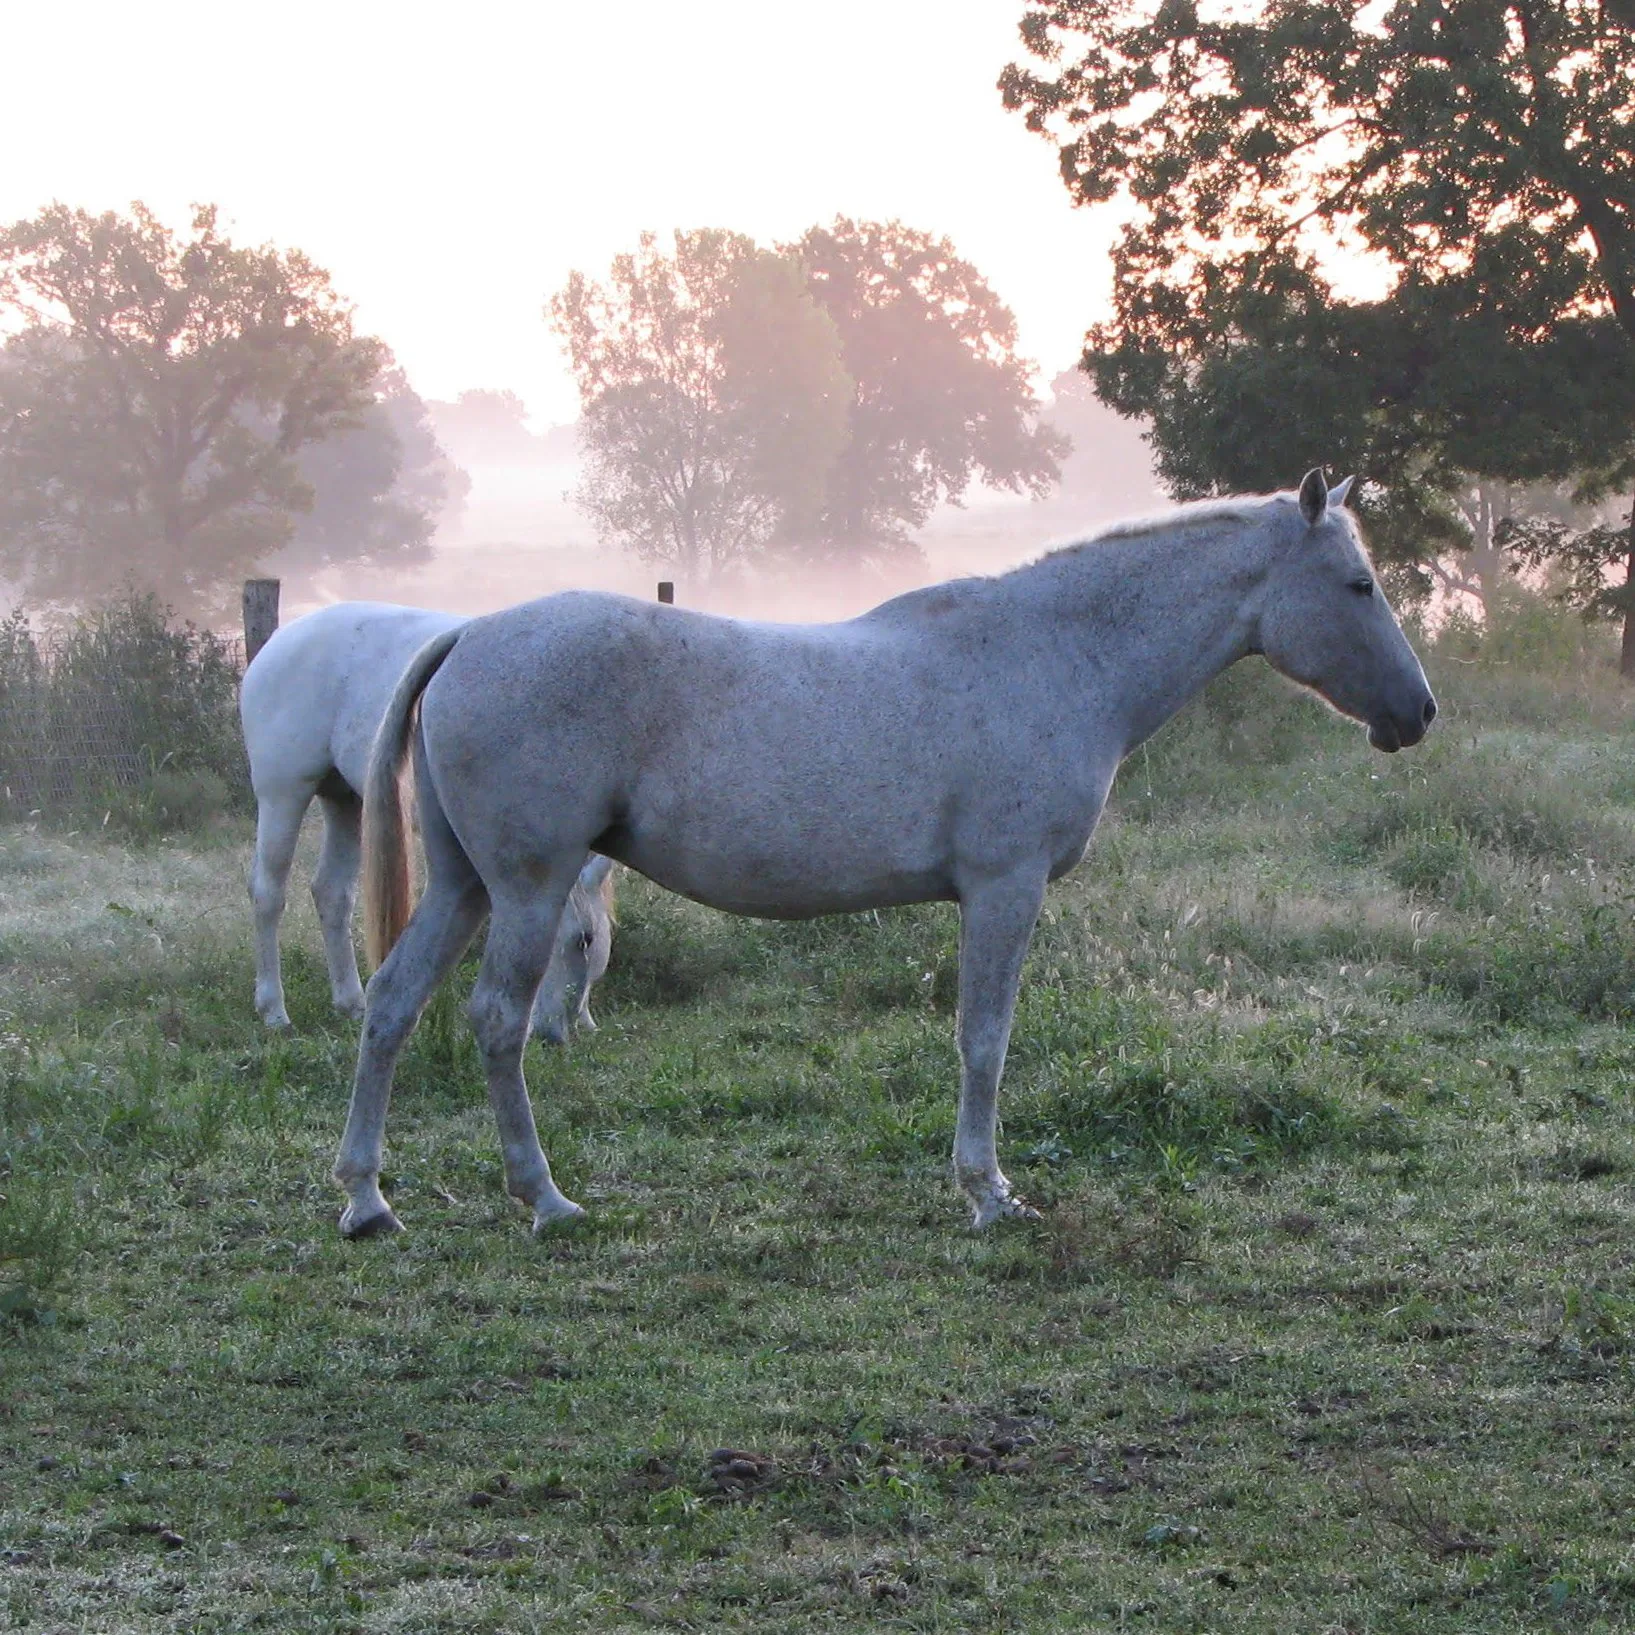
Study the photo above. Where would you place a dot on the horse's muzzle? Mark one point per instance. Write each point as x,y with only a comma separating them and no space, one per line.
1393,732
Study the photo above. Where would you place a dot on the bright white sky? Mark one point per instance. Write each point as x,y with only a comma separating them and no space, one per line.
449,165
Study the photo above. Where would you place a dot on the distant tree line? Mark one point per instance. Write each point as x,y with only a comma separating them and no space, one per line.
177,411
1475,155
814,401
175,408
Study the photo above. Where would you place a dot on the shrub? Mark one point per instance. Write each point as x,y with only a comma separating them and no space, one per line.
39,1242
1525,631
121,712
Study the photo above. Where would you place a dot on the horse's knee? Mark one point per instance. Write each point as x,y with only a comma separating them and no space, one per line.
266,894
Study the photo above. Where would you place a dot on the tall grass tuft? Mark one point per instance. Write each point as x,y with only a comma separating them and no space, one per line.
1498,798
1565,957
39,1241
1248,718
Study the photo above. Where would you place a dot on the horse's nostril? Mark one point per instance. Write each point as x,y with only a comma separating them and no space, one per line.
1430,711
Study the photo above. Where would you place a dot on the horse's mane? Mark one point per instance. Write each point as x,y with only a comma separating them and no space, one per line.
1194,514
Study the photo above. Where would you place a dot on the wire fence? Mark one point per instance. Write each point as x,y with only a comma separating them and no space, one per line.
118,703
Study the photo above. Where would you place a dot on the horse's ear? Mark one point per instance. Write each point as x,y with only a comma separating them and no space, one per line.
1337,494
595,872
1313,496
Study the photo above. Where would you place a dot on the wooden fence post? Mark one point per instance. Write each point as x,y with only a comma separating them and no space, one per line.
667,590
260,615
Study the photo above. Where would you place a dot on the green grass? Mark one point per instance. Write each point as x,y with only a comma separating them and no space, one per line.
1320,1079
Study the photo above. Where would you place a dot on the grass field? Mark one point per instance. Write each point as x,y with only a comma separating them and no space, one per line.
1321,1078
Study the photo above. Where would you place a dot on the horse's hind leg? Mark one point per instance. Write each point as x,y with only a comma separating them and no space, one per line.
277,829
437,934
335,893
996,920
521,934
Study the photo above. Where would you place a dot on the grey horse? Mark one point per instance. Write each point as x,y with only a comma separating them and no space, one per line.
310,704
956,743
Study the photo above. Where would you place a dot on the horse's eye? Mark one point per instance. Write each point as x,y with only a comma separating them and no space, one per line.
1363,586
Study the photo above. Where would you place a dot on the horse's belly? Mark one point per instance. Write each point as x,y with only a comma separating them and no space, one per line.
792,877
743,893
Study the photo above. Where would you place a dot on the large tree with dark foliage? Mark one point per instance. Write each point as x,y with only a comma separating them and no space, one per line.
1477,158
156,399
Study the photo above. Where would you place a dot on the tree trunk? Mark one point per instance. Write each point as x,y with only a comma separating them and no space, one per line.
1626,658
1486,560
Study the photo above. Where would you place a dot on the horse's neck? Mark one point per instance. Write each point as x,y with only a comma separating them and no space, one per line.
1159,616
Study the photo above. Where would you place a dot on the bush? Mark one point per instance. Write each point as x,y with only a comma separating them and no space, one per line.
39,1242
121,713
1525,631
1531,663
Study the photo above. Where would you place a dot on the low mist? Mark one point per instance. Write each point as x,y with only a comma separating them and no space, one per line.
518,534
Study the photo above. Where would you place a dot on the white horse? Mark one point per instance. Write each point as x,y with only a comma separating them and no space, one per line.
310,704
957,742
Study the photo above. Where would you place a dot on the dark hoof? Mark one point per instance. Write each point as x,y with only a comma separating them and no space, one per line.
381,1225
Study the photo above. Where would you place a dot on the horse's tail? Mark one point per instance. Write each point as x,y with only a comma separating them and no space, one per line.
387,888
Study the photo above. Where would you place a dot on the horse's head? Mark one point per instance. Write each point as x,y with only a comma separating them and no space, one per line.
1325,623
584,941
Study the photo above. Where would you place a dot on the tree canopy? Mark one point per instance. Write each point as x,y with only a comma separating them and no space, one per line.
379,489
487,427
940,397
711,388
1469,160
157,398
817,400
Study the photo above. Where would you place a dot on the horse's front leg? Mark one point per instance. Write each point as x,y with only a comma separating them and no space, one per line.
996,918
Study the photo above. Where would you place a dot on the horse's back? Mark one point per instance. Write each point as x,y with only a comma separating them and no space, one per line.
313,696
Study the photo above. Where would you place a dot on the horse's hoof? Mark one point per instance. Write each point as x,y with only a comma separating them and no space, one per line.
564,1212
1001,1207
350,1007
382,1224
279,1021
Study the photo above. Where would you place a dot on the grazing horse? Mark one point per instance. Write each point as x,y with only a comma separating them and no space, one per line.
310,704
957,743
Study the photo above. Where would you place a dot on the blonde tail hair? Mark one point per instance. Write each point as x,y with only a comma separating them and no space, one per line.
388,892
